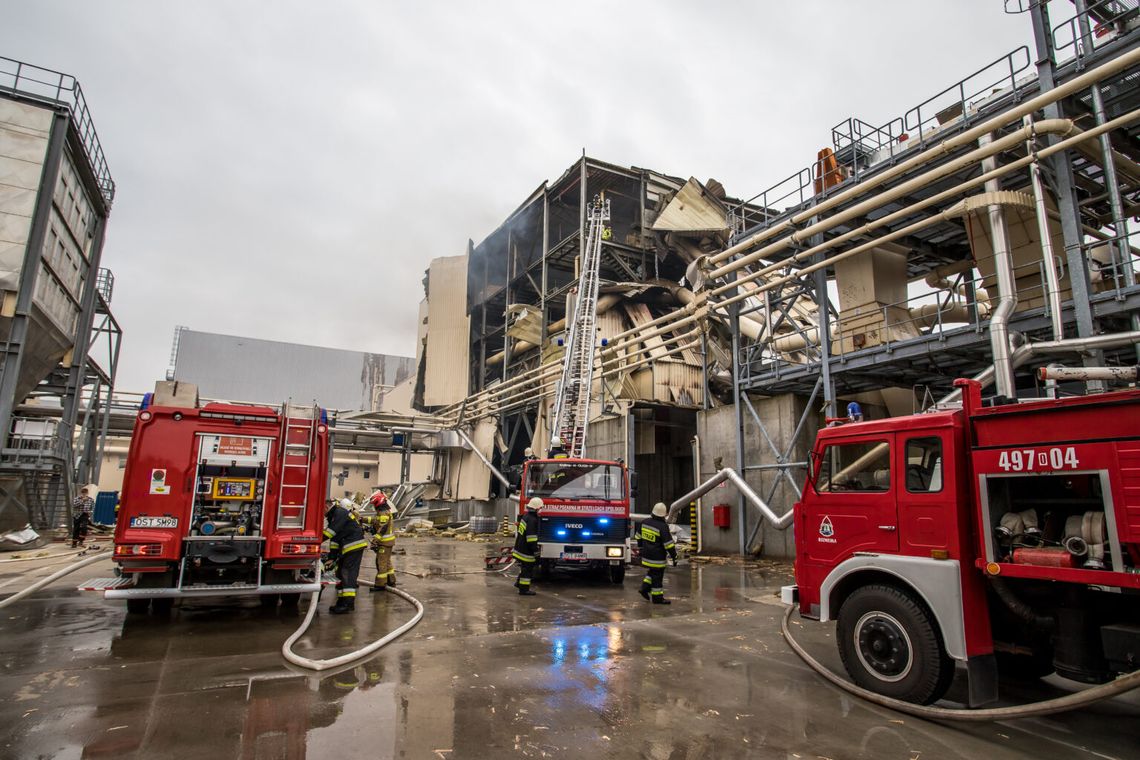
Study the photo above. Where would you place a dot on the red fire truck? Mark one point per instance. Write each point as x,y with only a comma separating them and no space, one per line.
219,500
1003,537
585,521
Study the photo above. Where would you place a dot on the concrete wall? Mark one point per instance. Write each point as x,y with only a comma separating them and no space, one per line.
717,431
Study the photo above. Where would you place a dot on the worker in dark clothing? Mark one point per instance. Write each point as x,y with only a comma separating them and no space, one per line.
346,548
81,508
526,542
556,450
655,542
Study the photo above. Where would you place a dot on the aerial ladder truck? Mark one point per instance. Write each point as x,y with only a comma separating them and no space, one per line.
585,521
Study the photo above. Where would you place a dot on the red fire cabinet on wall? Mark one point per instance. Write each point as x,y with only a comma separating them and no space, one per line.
721,516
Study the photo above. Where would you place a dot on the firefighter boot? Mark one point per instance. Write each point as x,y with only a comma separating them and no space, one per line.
343,606
644,591
526,591
376,589
661,600
392,578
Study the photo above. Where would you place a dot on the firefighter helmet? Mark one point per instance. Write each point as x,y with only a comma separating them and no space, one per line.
379,500
555,442
535,504
348,504
660,510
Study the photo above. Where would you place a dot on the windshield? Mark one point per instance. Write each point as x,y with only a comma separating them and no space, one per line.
575,480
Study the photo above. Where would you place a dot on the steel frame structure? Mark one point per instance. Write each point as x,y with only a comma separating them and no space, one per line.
1093,209
52,467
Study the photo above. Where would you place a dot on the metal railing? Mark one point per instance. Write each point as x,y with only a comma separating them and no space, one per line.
105,284
57,87
964,96
964,99
1107,19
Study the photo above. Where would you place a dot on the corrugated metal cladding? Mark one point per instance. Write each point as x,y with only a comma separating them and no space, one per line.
267,371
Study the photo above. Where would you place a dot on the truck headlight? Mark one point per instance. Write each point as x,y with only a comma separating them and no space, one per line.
614,551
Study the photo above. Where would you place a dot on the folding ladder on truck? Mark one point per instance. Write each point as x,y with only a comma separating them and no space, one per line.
572,401
298,436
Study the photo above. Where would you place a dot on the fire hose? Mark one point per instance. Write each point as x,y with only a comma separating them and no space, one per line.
311,664
1047,707
54,577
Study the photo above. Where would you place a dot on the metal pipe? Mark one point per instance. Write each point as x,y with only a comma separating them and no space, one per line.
863,231
1087,373
1007,290
1052,281
1024,353
1052,95
780,522
502,478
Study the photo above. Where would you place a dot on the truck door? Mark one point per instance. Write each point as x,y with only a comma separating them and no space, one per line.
851,506
925,494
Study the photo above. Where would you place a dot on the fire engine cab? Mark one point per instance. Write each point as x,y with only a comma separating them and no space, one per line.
1006,538
585,520
219,500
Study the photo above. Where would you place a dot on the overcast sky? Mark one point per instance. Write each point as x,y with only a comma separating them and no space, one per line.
286,170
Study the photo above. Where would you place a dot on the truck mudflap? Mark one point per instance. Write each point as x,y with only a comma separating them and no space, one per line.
124,587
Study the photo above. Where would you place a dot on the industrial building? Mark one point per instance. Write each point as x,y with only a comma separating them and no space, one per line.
714,348
61,340
889,404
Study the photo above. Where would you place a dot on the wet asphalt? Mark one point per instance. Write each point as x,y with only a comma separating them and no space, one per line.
584,669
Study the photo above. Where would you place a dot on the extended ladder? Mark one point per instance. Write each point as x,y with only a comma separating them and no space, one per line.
572,401
298,436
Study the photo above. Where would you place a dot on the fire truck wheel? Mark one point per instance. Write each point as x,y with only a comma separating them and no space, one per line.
268,600
162,606
290,601
890,644
138,606
617,573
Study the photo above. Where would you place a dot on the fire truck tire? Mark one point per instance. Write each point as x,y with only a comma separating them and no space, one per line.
268,600
890,644
617,573
138,606
162,605
290,601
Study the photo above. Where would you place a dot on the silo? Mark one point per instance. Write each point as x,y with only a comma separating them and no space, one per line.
55,196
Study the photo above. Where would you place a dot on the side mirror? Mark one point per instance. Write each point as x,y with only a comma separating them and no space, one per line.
632,484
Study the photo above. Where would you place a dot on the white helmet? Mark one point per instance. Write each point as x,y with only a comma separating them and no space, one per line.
348,504
660,510
535,504
555,442
528,452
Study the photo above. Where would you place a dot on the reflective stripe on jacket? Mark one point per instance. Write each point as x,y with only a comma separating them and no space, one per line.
655,542
344,532
526,535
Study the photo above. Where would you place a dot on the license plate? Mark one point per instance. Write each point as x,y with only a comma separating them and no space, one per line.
154,522
571,555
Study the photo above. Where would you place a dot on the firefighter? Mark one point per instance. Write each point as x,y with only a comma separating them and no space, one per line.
528,454
383,541
655,542
82,506
556,450
526,541
346,548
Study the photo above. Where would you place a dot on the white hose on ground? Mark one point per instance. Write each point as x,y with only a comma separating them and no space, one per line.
309,664
57,555
54,577
1046,707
